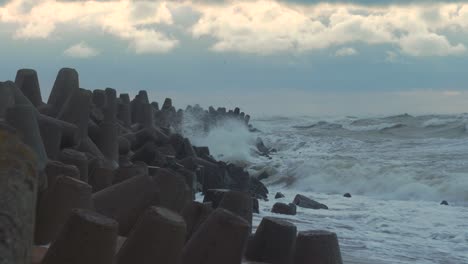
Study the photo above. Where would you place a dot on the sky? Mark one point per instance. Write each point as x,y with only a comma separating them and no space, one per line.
270,57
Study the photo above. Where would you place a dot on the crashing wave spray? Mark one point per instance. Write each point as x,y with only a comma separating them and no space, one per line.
228,138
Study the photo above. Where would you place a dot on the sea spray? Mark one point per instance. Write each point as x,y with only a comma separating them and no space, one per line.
228,140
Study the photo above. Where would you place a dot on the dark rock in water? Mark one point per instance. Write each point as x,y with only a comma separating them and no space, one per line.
317,247
258,189
240,178
263,175
195,214
202,151
214,196
256,206
158,237
305,202
87,237
347,195
444,203
279,195
282,208
209,244
273,242
56,204
239,203
261,147
213,175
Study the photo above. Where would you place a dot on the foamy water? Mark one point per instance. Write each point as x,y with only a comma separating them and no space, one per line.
397,168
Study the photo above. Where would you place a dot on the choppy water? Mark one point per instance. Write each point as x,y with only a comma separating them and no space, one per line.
397,168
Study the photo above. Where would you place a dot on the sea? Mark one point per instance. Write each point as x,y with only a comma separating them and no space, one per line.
397,168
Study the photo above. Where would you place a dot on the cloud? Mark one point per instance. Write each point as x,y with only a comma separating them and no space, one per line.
261,27
136,22
267,27
429,44
345,52
81,50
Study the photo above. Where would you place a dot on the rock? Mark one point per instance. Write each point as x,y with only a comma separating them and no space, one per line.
158,237
317,247
347,195
126,201
76,158
108,141
23,119
240,178
132,170
101,178
26,80
55,169
279,195
239,203
263,175
172,190
194,214
147,153
70,136
258,189
444,203
213,175
256,206
56,204
273,242
7,98
87,237
18,193
305,202
124,146
124,110
66,83
76,111
282,208
110,109
261,147
220,239
99,98
51,134
214,196
202,151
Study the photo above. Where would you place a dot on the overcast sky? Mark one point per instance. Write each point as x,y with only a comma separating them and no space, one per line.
269,57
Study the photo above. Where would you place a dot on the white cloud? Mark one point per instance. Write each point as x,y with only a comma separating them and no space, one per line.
81,50
252,26
346,52
266,27
136,22
429,44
